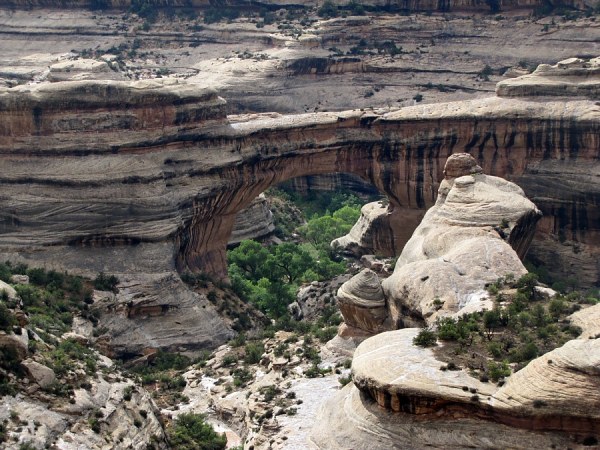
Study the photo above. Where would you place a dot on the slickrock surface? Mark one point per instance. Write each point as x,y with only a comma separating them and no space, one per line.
558,391
351,420
588,319
405,378
462,244
571,77
401,399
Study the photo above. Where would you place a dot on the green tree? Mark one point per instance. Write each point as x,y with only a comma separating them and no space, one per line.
7,320
527,284
289,262
320,231
491,321
191,432
328,10
250,256
425,338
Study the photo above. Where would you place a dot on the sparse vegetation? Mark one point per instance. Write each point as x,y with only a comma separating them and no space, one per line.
492,344
425,338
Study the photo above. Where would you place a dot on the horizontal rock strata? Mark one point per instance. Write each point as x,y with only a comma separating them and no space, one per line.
148,177
401,399
572,77
175,163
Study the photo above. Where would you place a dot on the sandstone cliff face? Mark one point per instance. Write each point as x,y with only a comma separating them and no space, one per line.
572,77
136,158
411,5
253,222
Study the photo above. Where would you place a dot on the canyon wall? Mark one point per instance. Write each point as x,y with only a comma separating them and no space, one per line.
143,179
386,5
116,163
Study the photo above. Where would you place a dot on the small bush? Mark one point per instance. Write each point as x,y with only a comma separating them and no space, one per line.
498,370
425,338
253,352
7,320
328,10
105,282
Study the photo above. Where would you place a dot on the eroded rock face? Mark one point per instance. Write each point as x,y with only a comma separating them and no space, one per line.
118,422
462,244
155,187
253,222
174,162
558,391
371,231
38,373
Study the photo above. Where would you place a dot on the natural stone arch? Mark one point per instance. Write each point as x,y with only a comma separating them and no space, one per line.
202,240
154,167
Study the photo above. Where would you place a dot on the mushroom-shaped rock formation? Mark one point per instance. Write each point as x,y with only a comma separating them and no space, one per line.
472,236
362,303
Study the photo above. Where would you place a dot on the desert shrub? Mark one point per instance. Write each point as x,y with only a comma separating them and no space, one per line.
328,10
425,338
496,370
7,319
105,282
191,432
253,352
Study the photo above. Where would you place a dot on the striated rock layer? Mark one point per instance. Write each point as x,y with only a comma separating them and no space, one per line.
400,399
411,5
572,77
362,303
147,177
172,168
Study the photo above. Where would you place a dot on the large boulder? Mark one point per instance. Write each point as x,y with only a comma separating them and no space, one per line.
9,290
39,373
371,232
362,303
400,399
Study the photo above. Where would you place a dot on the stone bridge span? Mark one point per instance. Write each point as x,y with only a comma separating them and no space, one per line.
157,169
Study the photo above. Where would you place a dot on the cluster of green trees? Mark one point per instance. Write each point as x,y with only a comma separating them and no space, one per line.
191,432
269,277
51,298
